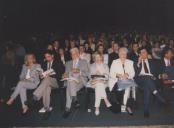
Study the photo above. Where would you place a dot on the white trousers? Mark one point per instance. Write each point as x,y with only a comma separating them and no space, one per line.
127,94
100,93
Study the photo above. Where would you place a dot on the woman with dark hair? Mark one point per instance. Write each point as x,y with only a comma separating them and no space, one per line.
63,56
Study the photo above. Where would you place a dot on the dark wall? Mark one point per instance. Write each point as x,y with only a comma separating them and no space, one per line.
27,16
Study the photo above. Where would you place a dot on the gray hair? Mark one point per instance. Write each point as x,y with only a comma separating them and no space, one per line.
122,49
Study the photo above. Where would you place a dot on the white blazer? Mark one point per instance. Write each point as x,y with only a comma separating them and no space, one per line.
117,68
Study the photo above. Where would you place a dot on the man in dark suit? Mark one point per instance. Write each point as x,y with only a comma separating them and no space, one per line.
134,53
165,62
167,58
114,54
146,76
50,80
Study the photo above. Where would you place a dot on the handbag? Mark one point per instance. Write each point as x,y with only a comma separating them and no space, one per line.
123,84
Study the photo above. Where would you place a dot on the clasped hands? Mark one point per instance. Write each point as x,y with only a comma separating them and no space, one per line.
122,76
74,70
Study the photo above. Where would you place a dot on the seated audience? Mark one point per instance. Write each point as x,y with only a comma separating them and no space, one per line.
121,75
77,69
100,69
63,56
114,54
29,79
51,74
146,76
133,55
83,55
101,51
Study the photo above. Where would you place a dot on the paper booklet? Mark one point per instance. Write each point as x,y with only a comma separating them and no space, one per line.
71,79
47,73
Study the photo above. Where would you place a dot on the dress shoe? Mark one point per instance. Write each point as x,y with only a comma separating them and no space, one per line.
31,103
129,111
146,115
97,112
66,114
76,104
46,115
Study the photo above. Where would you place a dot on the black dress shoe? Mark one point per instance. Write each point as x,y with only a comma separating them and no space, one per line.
46,115
31,103
76,104
146,115
129,111
66,114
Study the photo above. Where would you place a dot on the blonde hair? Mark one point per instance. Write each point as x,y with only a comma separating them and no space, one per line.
27,56
97,54
74,50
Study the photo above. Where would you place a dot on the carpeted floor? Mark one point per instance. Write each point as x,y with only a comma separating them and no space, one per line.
10,116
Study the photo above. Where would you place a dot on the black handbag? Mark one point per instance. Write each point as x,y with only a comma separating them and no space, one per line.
116,107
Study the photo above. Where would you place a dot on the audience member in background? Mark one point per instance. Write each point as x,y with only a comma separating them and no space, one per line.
20,53
167,57
67,46
114,54
51,80
79,70
122,73
83,55
56,46
50,47
147,73
29,79
99,68
63,56
81,40
110,50
134,53
88,48
9,77
166,61
101,51
91,44
156,50
72,44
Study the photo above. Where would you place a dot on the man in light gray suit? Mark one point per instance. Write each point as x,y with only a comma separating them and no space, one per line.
78,69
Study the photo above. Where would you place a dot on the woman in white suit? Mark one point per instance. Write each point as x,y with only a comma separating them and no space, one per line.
29,79
99,73
122,73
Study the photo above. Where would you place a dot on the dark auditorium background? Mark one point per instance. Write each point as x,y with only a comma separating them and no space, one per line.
22,17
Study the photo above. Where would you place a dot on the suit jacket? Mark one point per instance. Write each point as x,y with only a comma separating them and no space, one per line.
86,57
117,68
134,57
153,65
66,57
112,56
58,67
34,74
84,69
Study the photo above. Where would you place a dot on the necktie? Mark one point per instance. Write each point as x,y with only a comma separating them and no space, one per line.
145,67
49,65
168,63
123,68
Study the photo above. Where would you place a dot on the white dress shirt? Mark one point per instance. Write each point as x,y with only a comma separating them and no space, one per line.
143,70
49,65
28,74
167,62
